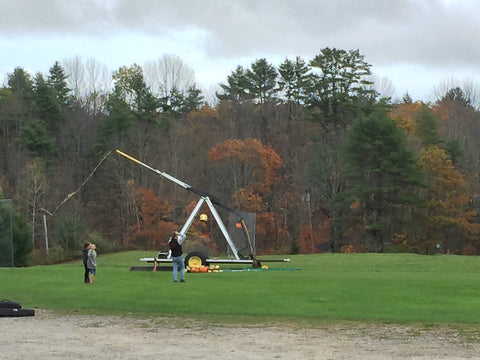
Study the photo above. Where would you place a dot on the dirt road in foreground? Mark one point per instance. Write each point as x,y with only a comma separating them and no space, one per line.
51,336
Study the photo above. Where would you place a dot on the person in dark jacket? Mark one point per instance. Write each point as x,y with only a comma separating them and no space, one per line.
175,243
86,247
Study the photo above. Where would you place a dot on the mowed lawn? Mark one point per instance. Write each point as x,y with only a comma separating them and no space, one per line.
387,288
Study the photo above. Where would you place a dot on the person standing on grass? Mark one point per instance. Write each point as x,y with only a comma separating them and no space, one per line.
175,243
86,277
92,262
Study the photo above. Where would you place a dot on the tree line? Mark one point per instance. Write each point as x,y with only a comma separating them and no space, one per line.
325,161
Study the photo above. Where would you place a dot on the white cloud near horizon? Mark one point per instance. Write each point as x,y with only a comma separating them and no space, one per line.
415,43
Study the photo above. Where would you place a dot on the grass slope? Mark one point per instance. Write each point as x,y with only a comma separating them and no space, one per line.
394,288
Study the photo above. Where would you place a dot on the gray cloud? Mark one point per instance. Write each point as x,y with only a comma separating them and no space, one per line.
424,33
52,16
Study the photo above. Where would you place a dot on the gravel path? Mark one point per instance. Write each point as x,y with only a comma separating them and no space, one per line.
51,336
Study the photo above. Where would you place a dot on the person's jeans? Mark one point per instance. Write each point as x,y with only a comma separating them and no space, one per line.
177,261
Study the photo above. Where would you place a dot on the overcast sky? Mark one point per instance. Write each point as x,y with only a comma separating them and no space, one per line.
417,44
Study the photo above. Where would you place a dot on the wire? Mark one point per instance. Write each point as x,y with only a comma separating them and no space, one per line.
72,194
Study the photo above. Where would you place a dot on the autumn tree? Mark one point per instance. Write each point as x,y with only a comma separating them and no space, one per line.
462,127
448,218
251,169
251,165
404,115
449,211
304,117
154,223
428,126
200,129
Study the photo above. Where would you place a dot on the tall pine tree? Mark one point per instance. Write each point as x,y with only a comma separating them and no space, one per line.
382,176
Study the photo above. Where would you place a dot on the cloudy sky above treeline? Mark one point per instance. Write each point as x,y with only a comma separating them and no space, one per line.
416,45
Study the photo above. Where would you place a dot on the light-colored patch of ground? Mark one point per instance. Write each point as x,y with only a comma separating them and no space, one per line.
50,336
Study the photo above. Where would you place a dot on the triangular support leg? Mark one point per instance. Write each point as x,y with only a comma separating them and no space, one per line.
218,219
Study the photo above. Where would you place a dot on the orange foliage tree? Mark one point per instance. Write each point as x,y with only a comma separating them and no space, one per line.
154,225
448,218
253,168
254,165
404,115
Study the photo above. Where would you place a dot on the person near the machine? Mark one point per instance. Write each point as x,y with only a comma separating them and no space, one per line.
175,243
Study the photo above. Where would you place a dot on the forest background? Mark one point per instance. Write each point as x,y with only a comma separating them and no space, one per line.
326,160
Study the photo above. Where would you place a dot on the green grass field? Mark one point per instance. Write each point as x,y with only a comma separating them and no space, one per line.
376,288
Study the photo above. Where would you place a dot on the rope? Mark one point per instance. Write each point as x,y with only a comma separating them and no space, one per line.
72,194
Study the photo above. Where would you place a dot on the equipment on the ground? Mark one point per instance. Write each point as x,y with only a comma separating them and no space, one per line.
196,259
10,308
